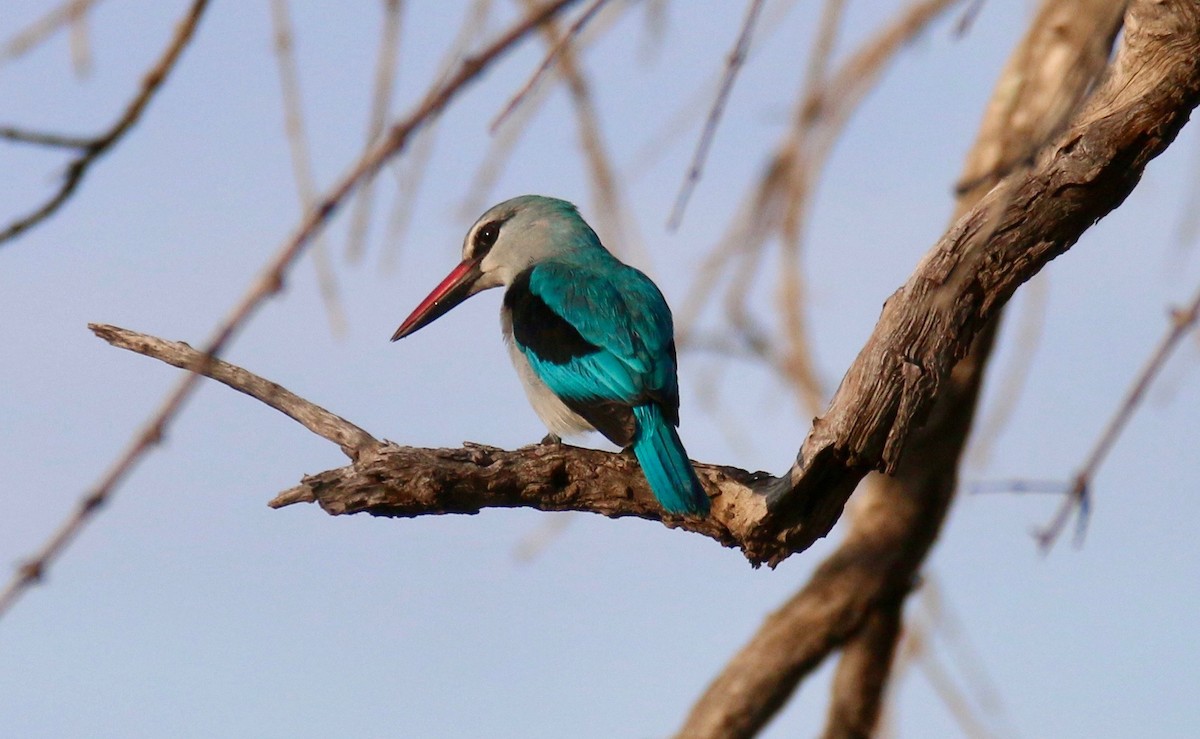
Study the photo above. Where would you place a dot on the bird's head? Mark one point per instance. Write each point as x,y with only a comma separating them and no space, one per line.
505,241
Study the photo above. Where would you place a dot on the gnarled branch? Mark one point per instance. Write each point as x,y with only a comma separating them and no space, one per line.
926,327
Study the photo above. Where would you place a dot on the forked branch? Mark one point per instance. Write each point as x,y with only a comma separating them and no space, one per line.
91,149
1031,217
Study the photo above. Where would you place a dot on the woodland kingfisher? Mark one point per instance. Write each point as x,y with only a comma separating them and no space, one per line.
591,337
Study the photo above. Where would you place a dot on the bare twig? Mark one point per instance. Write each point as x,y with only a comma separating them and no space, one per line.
352,439
1029,333
268,284
898,517
802,164
946,624
500,151
306,186
1048,487
81,51
551,56
699,101
42,138
381,102
1077,499
98,146
60,16
409,173
892,387
778,206
920,651
612,222
733,65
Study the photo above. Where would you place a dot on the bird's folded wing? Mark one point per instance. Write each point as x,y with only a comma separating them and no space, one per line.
600,342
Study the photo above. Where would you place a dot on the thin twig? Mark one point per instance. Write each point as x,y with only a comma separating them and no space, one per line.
61,16
916,644
409,176
268,284
1077,498
613,223
151,83
81,51
410,172
41,138
698,101
733,65
351,438
948,626
500,151
551,56
1015,374
381,102
990,487
778,205
306,186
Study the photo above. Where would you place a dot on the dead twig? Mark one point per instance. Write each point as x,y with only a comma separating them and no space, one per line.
95,148
1078,496
733,65
42,138
552,56
306,186
65,14
268,284
352,439
381,103
409,173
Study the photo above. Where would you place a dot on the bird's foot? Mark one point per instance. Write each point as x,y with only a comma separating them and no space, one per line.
552,439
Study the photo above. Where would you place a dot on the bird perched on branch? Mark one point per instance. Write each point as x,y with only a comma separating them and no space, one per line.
591,337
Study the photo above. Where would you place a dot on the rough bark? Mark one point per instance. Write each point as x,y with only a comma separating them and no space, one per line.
863,586
904,407
1035,214
1048,76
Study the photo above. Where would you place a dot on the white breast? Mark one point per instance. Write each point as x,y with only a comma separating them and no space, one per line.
561,420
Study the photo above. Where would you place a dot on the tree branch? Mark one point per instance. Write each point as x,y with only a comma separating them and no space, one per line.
926,327
1077,498
269,283
352,439
1034,215
92,149
853,598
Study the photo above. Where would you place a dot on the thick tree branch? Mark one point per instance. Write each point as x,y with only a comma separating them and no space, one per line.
406,482
856,596
926,327
863,672
1032,216
390,480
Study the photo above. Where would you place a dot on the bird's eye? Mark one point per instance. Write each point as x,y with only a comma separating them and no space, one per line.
485,237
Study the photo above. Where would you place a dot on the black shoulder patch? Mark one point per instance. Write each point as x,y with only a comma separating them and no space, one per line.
539,329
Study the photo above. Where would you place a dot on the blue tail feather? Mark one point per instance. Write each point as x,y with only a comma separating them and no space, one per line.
665,463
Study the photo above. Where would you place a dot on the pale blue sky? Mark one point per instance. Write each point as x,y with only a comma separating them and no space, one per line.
190,609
